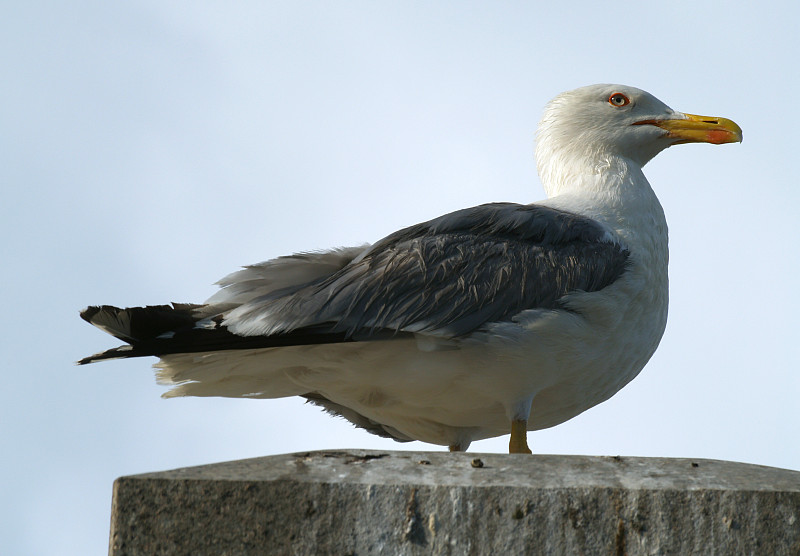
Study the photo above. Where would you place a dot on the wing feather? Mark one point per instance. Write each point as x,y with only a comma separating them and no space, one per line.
451,275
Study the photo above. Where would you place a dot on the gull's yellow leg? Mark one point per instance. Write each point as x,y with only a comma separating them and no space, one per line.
519,437
455,448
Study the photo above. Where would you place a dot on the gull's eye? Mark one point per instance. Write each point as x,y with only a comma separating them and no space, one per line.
618,99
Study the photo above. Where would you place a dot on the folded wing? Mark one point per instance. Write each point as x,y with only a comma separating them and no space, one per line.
447,277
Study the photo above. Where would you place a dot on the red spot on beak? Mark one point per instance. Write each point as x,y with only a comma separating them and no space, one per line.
718,137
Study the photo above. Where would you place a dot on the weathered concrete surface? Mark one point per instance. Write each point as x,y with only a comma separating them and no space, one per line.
367,502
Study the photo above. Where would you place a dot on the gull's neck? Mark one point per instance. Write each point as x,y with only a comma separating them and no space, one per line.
599,178
609,188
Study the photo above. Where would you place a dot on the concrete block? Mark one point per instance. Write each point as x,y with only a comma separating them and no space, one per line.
361,502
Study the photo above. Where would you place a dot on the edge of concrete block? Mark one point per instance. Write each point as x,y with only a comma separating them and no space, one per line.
366,502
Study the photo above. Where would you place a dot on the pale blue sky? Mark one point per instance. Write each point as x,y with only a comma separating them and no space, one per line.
149,148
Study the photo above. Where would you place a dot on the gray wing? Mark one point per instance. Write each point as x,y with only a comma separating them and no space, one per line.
449,276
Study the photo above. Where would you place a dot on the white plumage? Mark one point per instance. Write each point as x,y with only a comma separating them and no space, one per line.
501,318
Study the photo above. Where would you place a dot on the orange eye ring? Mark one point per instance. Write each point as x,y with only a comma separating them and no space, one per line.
618,100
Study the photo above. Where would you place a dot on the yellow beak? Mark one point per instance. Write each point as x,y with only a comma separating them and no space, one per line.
699,129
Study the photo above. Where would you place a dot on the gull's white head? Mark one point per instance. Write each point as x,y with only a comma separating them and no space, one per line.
583,131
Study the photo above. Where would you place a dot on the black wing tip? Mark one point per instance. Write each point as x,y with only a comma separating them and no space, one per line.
87,360
158,330
121,352
89,312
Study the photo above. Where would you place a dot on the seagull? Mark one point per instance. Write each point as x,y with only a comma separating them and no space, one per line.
496,319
